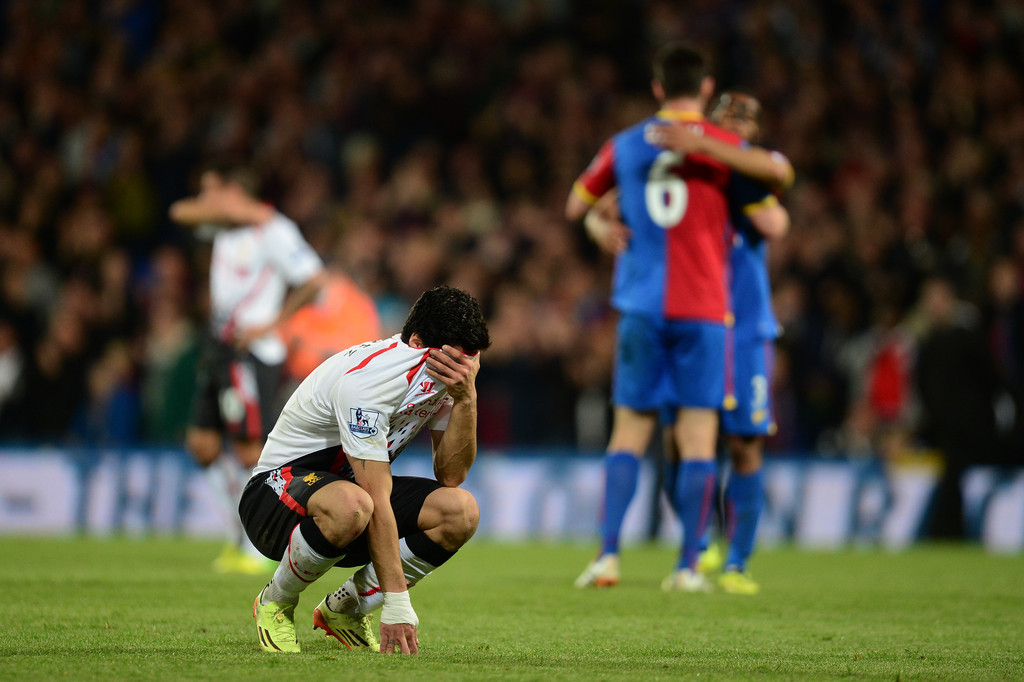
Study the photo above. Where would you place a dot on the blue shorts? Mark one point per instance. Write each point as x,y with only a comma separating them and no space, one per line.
749,402
668,362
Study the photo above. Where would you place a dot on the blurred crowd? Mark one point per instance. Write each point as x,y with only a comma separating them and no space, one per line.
434,141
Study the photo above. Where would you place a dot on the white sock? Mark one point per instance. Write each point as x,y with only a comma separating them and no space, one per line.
361,594
222,477
243,475
300,566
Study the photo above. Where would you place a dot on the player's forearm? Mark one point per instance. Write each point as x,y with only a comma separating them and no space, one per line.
456,452
193,212
575,206
302,295
772,222
754,162
230,210
382,533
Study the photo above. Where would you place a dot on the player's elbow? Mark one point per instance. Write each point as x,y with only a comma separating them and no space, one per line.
783,174
178,212
575,208
778,226
450,479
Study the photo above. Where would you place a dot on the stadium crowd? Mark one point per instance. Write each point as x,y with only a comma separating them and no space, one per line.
427,142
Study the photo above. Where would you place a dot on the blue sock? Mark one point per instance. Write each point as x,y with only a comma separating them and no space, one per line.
621,472
705,539
671,478
695,497
744,500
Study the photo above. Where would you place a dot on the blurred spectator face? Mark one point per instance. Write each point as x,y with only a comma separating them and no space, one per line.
738,113
1004,282
938,301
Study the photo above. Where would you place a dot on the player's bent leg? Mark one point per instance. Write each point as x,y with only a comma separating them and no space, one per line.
275,625
449,517
336,514
435,521
341,511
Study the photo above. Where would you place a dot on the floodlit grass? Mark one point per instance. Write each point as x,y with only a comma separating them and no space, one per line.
154,610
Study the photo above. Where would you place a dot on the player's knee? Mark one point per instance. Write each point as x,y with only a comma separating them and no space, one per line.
745,453
462,516
204,446
342,512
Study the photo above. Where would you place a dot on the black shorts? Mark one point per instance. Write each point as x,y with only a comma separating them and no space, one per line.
274,502
236,393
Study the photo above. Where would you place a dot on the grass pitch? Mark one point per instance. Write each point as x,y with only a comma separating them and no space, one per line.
86,609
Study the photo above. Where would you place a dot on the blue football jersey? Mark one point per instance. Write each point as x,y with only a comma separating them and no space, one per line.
749,289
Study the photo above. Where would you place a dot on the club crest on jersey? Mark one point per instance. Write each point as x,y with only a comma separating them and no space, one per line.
363,423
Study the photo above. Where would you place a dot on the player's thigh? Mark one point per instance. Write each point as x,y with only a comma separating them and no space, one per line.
696,432
206,413
640,363
274,502
631,430
453,510
408,495
751,414
696,360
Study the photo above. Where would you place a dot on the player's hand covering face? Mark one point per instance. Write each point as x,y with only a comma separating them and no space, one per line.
456,370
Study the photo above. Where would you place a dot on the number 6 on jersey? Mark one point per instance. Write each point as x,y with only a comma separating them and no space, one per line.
666,194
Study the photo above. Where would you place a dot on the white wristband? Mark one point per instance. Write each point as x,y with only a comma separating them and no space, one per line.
398,609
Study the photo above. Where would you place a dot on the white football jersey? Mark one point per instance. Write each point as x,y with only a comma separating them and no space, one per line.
366,402
251,270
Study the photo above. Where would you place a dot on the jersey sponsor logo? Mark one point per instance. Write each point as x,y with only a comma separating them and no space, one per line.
362,422
426,387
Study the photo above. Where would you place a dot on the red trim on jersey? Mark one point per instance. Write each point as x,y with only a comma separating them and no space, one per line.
599,177
412,372
371,356
228,333
289,501
253,418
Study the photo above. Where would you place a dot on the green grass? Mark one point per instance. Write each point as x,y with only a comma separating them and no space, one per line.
154,610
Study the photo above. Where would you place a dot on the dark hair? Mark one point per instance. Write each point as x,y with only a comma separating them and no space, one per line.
446,315
681,68
237,172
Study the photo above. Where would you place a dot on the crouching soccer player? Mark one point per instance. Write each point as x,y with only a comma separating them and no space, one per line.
322,494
